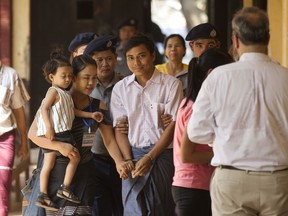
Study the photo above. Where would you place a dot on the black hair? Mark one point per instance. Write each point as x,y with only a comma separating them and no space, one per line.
177,36
57,59
137,40
172,36
80,62
198,68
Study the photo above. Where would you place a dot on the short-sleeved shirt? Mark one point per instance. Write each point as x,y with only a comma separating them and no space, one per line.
102,93
13,95
80,125
189,175
182,75
163,68
143,106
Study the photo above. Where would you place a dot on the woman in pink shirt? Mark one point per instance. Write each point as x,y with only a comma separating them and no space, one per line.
190,187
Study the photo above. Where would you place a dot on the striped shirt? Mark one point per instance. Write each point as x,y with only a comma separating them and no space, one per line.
61,113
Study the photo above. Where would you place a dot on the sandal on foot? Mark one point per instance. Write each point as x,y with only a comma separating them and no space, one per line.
65,193
44,201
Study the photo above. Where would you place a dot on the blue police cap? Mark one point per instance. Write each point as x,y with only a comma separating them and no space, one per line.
101,43
204,31
81,39
128,22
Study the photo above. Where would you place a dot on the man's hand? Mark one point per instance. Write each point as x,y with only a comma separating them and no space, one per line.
122,125
166,120
142,166
124,168
22,151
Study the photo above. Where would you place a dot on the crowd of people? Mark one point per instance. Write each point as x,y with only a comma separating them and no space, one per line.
121,135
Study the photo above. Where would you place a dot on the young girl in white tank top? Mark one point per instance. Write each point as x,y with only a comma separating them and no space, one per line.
54,121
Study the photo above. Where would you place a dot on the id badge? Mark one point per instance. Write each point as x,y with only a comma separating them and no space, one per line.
88,138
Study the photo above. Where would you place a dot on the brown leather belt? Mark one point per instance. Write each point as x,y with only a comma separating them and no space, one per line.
234,168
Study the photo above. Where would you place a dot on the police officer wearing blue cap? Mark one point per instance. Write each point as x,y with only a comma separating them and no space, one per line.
107,199
79,43
202,37
102,43
126,29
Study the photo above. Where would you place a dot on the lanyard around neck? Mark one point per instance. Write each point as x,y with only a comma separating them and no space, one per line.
90,122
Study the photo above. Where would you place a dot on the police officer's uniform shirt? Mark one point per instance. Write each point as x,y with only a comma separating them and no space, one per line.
103,94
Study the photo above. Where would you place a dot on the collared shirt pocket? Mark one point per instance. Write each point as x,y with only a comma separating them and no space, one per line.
156,110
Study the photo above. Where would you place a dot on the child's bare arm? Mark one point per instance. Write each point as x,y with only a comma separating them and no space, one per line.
51,98
97,116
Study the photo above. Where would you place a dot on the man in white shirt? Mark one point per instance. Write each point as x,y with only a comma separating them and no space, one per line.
142,98
13,96
242,109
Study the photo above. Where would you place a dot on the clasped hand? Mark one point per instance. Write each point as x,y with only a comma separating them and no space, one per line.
138,168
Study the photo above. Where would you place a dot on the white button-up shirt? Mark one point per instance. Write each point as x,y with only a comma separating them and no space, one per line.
13,95
144,105
242,108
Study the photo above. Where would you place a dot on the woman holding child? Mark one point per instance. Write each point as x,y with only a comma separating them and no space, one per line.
83,130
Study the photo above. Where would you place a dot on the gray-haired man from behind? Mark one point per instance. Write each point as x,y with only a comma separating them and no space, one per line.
242,108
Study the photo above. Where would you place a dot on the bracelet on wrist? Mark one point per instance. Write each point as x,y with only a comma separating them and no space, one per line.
130,159
151,159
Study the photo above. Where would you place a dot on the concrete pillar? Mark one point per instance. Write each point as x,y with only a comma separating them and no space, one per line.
247,3
21,37
278,15
285,33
